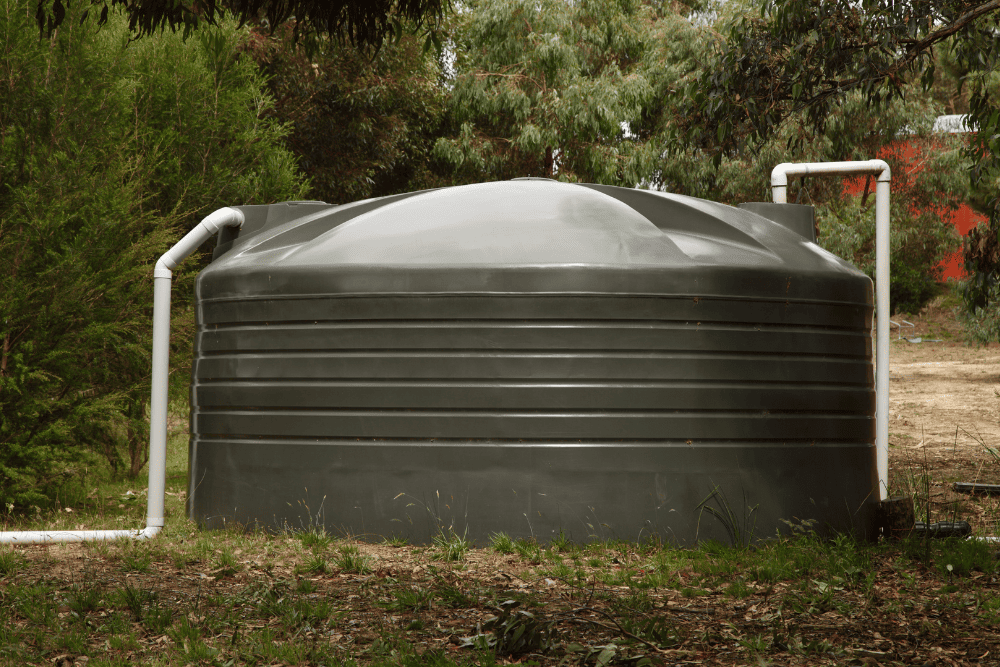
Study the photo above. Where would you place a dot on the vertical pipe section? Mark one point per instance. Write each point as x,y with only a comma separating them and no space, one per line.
879,168
882,329
162,276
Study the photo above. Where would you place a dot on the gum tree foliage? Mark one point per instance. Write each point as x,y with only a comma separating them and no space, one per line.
926,184
362,22
577,91
361,125
108,152
800,57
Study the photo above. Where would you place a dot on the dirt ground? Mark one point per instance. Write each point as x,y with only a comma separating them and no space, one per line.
944,410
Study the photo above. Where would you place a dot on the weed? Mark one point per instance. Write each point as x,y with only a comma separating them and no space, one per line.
754,643
305,586
656,630
135,558
10,562
316,564
350,559
454,597
501,543
157,618
395,541
739,589
226,565
516,631
410,599
315,538
308,613
693,592
634,602
561,543
82,600
739,527
529,551
959,558
34,603
451,546
72,642
124,642
184,632
561,571
136,600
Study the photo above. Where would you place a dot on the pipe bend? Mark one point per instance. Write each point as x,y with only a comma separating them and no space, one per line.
206,229
884,172
779,175
224,217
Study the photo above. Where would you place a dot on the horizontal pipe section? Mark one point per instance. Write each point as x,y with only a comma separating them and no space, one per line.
62,536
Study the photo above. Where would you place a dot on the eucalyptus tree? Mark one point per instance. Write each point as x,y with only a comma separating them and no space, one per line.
362,22
789,57
579,91
361,125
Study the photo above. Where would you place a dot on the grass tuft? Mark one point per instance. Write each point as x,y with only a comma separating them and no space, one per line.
351,560
10,562
451,546
501,543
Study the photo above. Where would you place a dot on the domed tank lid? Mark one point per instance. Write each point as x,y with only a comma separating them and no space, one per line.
531,236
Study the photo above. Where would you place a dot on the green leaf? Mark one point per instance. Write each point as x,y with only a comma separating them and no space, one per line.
605,657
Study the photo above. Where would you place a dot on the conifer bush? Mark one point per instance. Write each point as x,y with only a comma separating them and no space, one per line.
109,151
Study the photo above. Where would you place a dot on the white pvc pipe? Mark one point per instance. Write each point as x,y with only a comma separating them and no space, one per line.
162,275
779,188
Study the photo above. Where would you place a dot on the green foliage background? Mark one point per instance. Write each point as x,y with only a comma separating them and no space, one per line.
109,150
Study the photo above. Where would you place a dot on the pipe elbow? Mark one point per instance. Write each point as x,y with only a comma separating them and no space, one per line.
884,172
207,228
779,175
149,532
224,217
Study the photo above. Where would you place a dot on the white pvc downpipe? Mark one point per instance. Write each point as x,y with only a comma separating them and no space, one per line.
162,275
878,168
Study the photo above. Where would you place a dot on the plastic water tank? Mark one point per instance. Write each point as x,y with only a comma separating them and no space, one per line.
532,357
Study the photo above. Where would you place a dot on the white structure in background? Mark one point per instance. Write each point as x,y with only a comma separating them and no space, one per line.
953,124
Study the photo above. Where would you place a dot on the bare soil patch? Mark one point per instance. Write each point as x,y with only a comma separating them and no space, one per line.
944,414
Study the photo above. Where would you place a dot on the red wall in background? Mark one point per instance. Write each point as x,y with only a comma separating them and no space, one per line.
908,156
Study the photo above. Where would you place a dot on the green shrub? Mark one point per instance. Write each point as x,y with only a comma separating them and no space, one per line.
918,244
109,151
981,291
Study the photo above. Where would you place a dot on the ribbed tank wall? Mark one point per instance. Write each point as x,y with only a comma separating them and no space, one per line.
354,398
535,367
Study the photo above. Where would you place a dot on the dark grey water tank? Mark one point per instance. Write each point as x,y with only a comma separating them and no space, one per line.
531,357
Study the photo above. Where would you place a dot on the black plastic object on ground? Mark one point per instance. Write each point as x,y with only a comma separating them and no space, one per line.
943,529
978,488
531,357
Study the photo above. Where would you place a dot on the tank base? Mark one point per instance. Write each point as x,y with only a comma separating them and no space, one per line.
672,492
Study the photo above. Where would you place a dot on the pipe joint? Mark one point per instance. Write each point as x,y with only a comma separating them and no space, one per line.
884,172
